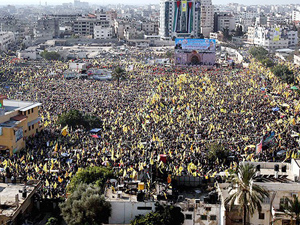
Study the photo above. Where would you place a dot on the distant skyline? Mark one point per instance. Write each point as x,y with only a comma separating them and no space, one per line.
141,2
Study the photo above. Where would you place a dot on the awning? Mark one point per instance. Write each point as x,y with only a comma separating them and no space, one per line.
2,147
34,121
19,118
95,130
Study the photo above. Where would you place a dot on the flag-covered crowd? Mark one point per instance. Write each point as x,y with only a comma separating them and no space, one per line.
173,111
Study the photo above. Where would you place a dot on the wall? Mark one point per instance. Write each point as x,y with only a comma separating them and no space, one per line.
123,211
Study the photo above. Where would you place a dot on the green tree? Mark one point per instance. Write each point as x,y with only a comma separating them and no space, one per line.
267,62
86,206
71,118
163,215
243,191
258,52
119,74
284,73
52,221
50,55
75,118
292,208
217,151
91,175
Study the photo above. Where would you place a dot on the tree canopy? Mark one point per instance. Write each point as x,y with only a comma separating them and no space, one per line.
86,206
50,55
75,118
291,208
91,175
217,151
163,215
283,73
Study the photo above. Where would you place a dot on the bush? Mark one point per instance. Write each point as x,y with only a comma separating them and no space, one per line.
163,215
75,118
283,73
91,175
86,206
50,55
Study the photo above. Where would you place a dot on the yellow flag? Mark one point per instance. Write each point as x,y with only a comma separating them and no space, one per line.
64,131
45,167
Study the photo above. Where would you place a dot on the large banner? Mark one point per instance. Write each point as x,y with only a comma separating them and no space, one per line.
200,52
206,45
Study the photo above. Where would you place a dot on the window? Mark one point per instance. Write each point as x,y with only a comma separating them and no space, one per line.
32,110
144,208
261,216
213,217
188,216
32,126
28,111
25,113
203,217
29,128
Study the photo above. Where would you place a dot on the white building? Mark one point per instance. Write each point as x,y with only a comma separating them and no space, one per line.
280,182
6,39
297,60
101,32
185,18
272,38
296,16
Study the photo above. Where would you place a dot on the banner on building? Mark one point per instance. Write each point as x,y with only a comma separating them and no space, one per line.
184,6
276,34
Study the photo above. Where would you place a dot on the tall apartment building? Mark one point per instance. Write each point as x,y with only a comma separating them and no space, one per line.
224,20
189,18
46,28
6,39
84,26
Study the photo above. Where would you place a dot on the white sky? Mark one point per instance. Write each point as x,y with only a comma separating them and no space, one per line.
139,2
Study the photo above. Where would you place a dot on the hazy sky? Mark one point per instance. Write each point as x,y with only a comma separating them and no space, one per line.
54,2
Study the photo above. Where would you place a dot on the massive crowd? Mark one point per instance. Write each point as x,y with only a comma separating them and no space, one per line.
173,111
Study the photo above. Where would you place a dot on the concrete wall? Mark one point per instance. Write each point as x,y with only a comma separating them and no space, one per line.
124,211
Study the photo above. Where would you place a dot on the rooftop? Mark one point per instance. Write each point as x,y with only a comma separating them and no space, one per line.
14,105
10,194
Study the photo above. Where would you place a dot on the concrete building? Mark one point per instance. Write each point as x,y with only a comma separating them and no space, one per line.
126,205
224,20
192,18
17,200
18,120
84,26
102,32
46,28
272,38
296,16
281,180
6,39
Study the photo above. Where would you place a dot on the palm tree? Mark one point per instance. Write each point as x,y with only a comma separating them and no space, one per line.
118,74
292,209
243,191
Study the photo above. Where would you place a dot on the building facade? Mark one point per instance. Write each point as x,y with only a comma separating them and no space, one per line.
6,39
18,120
272,38
192,18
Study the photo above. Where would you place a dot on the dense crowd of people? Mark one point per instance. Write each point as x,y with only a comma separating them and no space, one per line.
158,111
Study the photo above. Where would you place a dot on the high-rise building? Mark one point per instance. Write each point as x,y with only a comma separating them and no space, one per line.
190,18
